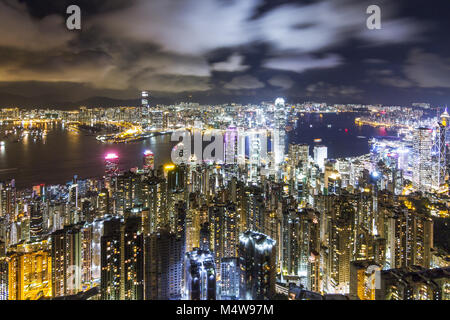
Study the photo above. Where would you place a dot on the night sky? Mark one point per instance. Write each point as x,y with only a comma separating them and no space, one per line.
217,51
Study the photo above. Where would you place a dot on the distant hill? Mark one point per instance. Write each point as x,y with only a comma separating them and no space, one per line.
58,101
11,100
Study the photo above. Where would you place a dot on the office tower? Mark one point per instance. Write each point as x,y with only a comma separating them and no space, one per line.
103,203
205,237
86,256
111,257
441,134
255,152
231,145
298,155
410,237
7,198
279,132
36,220
224,231
166,123
157,119
66,260
309,248
320,154
155,199
74,197
176,177
193,225
289,244
257,266
133,259
145,106
229,279
111,164
340,235
403,159
252,209
422,173
165,268
3,278
200,275
91,254
126,192
30,271
241,146
149,160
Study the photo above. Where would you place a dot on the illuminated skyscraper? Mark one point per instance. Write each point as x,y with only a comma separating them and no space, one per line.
111,251
36,220
341,218
441,170
298,154
279,132
3,278
165,268
229,279
133,259
224,231
200,276
103,203
145,103
320,154
111,164
257,266
66,257
30,272
410,238
231,145
149,160
7,197
422,145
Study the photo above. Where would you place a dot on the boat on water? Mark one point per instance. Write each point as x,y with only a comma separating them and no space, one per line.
317,140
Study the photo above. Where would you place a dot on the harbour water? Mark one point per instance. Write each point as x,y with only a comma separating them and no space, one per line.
64,153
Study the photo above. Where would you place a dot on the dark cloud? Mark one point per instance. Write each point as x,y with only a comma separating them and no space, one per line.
306,48
281,81
428,70
244,82
323,90
234,63
302,63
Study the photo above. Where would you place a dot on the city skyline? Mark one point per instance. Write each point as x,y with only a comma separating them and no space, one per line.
231,150
252,215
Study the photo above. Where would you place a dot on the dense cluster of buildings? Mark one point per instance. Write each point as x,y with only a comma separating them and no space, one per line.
294,225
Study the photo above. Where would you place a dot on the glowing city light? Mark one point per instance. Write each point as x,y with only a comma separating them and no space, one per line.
111,156
279,101
169,167
148,152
